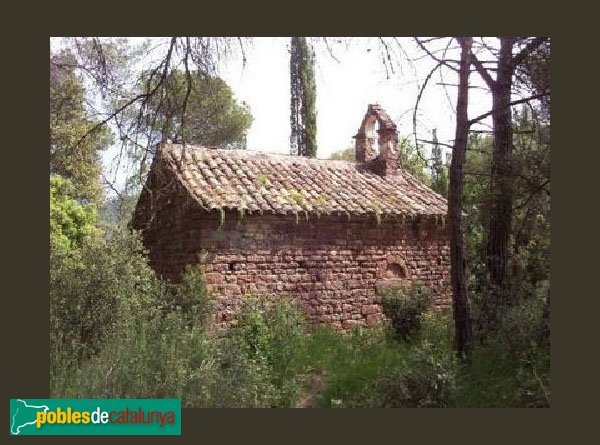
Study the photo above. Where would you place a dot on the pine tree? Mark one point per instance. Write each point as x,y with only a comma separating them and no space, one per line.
303,116
75,139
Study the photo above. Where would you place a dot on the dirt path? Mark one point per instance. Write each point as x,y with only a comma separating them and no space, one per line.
315,384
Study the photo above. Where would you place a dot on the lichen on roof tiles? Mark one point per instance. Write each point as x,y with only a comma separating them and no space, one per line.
245,180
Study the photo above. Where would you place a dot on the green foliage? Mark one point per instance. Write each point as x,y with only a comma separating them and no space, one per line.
476,206
190,295
94,284
118,210
428,377
303,92
531,220
347,154
71,222
440,180
412,162
117,331
405,306
529,258
71,155
262,358
441,183
371,368
512,368
351,364
147,355
212,114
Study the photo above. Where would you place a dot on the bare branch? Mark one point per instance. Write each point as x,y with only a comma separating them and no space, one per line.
329,50
483,72
516,102
435,143
472,87
386,57
241,43
188,77
438,60
439,64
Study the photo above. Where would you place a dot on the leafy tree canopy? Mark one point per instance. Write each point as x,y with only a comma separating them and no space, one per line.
199,109
71,222
347,154
412,162
72,155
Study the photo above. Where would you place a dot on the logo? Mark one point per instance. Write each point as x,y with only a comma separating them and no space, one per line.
95,417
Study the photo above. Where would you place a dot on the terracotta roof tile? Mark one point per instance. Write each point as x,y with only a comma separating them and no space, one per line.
238,179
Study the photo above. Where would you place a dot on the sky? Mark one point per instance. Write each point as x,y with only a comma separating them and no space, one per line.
344,90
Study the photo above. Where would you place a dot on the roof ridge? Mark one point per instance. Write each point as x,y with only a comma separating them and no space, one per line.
164,148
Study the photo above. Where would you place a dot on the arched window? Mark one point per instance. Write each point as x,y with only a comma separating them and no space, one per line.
394,271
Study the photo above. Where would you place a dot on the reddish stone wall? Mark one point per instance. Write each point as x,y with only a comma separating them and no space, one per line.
332,265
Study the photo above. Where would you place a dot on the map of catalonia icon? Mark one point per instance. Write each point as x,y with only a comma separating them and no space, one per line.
23,415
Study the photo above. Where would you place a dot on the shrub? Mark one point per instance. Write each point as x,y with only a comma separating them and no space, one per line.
404,305
191,298
71,222
429,378
146,357
91,286
262,358
144,344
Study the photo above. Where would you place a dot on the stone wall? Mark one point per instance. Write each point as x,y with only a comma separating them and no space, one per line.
332,265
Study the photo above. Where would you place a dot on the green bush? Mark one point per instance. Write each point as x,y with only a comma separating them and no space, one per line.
149,338
92,286
263,356
71,222
148,357
428,378
405,305
190,297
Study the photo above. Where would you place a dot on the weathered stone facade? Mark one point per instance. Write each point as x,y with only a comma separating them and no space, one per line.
331,262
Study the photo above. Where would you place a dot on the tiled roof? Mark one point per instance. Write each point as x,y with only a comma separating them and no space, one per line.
255,182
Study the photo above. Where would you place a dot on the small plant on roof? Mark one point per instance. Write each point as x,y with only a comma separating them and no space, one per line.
297,196
321,201
391,199
263,180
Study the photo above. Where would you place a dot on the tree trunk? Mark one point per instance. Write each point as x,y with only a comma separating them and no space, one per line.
499,229
462,313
